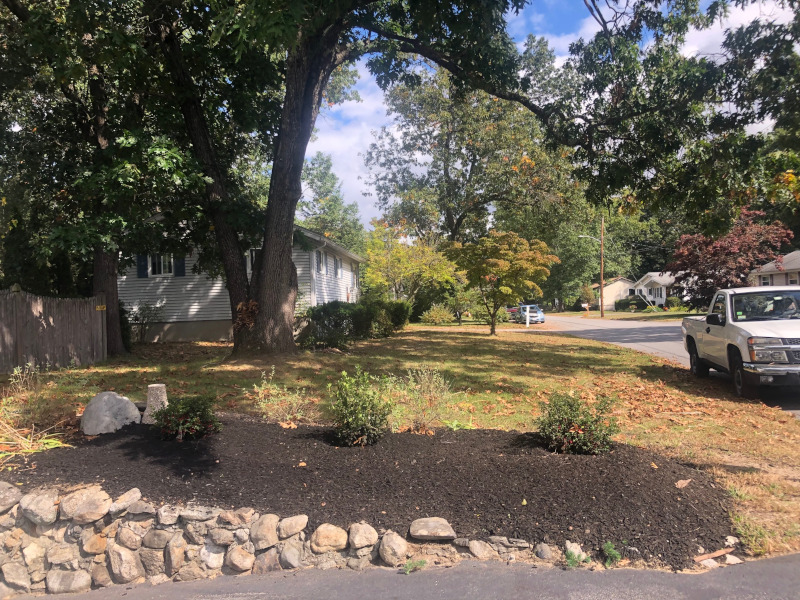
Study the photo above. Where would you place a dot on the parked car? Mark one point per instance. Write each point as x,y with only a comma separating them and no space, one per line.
752,333
536,314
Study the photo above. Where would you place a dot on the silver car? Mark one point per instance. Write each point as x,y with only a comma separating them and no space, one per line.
536,313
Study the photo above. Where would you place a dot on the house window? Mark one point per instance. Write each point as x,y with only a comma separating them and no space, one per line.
322,262
765,280
792,279
337,267
631,292
161,264
354,275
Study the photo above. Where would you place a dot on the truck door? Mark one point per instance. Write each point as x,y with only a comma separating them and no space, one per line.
714,345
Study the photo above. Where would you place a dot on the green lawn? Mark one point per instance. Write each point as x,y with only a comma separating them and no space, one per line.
495,382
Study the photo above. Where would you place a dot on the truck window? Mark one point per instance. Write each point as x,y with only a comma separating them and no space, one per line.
718,308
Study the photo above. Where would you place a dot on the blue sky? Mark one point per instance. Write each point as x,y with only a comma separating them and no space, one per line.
345,131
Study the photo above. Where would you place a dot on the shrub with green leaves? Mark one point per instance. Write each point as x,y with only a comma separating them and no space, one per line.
189,418
612,554
570,425
674,302
360,414
436,315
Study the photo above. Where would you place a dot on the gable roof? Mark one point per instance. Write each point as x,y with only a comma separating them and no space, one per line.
611,281
324,241
664,279
790,262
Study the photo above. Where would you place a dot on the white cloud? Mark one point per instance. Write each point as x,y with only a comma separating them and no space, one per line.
560,43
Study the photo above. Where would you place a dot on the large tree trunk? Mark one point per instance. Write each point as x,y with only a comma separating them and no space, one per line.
274,285
104,281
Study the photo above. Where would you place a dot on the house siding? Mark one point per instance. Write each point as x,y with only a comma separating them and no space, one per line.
328,287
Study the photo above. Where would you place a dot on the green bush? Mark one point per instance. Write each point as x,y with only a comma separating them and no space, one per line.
336,324
630,302
569,425
436,315
360,415
399,313
483,316
189,418
673,302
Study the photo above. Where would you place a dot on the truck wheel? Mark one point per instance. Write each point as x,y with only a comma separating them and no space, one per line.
696,364
744,389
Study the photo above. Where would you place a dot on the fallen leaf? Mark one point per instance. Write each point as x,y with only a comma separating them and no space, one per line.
288,425
654,465
301,464
682,483
524,502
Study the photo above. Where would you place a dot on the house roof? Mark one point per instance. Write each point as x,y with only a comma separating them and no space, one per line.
326,241
665,279
790,262
611,281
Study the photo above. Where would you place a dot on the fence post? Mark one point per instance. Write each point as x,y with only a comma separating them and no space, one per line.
17,300
101,300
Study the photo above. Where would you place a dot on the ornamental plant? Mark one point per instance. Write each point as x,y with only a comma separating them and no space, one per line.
569,425
360,414
189,418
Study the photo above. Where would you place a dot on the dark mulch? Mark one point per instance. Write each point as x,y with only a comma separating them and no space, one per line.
477,480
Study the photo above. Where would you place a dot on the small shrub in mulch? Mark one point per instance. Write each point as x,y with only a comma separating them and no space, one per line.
569,425
361,415
189,418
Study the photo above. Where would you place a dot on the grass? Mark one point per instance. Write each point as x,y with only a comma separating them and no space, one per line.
752,450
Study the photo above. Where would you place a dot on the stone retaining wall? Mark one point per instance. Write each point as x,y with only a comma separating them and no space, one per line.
72,542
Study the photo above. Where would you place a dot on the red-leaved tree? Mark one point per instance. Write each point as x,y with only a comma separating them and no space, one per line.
703,265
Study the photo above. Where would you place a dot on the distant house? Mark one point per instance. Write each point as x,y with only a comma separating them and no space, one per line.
613,290
194,306
784,272
654,287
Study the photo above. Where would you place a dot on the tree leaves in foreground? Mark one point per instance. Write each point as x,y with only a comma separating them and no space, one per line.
504,268
702,265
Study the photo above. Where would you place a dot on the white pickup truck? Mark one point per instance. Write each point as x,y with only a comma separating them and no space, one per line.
752,333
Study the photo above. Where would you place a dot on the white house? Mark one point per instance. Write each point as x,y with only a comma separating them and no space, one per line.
784,273
654,287
614,289
193,306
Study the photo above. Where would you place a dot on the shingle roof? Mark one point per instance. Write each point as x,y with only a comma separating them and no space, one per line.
791,262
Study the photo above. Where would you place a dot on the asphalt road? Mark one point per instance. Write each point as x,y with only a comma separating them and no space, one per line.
771,579
662,339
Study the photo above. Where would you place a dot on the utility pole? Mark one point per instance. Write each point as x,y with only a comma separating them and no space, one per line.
602,283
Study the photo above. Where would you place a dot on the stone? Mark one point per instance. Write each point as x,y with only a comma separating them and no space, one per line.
709,563
518,543
121,504
158,579
62,554
168,515
731,541
156,400
222,537
198,513
16,576
267,562
328,538
500,540
393,549
40,507
68,582
157,538
543,551
33,555
730,559
292,526
264,531
431,529
141,508
9,496
462,542
101,577
575,550
357,563
152,561
191,572
92,543
85,506
362,535
239,559
196,533
107,412
125,565
174,554
242,536
126,537
480,549
213,556
236,518
292,555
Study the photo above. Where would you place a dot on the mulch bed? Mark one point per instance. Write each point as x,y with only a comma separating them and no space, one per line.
477,480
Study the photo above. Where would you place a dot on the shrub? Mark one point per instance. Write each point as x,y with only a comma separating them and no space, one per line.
191,417
143,317
279,403
360,415
634,302
612,554
653,309
569,425
436,315
482,315
336,324
428,393
399,313
673,302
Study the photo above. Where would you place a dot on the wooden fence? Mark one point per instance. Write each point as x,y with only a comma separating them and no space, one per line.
50,331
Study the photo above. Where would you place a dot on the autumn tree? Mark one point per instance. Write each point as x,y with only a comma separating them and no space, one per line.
504,268
703,264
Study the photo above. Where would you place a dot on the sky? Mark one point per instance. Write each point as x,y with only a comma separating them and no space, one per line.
345,131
